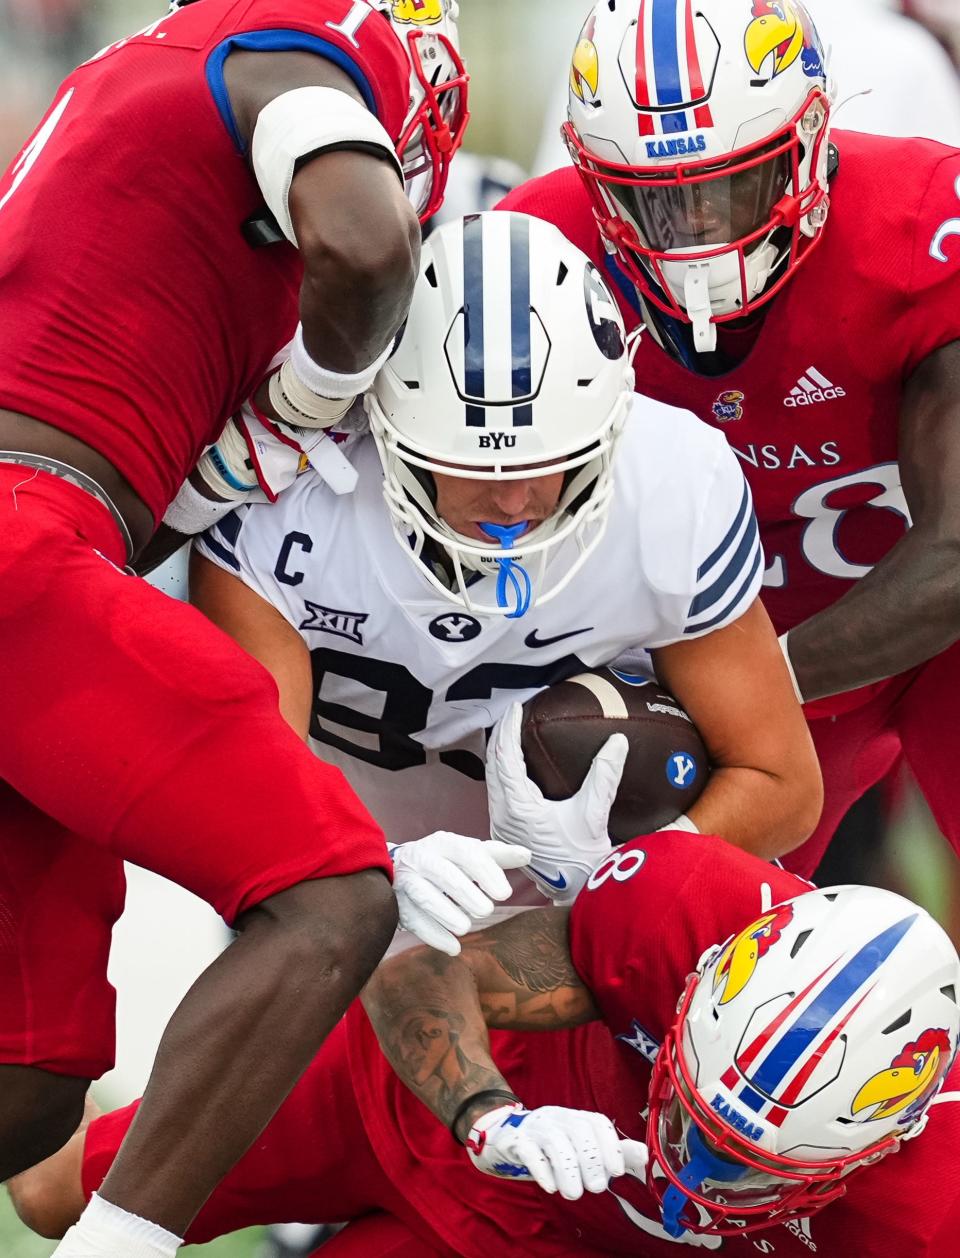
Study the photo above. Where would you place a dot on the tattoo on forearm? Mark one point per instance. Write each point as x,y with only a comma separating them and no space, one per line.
528,950
431,1012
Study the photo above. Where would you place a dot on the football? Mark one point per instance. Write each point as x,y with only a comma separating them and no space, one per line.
667,766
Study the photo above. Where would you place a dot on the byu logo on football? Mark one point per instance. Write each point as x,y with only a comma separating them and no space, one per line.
681,770
454,627
329,620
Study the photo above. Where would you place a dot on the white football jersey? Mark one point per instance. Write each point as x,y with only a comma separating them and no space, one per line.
406,684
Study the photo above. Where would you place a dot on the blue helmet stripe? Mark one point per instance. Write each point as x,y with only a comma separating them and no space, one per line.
520,315
473,347
812,1021
666,38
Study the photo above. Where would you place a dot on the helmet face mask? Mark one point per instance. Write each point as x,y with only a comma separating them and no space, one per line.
513,366
805,1049
713,200
438,114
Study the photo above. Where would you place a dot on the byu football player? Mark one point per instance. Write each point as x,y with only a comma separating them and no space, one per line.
520,516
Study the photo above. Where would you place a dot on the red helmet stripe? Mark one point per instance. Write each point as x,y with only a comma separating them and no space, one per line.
645,120
702,115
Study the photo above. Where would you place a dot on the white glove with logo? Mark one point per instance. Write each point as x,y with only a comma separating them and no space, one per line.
563,1150
445,882
568,837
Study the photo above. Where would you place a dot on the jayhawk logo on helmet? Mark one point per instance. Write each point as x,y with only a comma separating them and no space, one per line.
419,12
913,1076
782,31
585,70
743,953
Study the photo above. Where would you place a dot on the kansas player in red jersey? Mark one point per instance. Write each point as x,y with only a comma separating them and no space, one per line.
801,295
819,1034
191,190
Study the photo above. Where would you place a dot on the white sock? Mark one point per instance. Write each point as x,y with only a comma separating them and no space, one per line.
107,1231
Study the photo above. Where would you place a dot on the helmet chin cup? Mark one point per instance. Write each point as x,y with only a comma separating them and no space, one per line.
696,301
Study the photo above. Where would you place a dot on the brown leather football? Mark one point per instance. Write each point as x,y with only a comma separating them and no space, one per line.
667,766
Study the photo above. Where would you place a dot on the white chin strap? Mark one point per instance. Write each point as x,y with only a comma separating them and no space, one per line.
696,302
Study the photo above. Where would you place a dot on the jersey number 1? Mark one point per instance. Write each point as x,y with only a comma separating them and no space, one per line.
352,22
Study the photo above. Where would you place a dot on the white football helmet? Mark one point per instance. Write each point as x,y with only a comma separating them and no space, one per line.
701,133
805,1048
437,114
513,365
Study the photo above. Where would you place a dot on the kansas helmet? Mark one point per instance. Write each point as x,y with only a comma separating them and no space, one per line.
513,365
806,1047
700,130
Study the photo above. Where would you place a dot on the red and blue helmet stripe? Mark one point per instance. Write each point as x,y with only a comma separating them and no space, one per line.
778,1061
670,87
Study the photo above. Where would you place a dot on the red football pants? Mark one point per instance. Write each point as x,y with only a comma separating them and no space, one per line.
130,729
313,1164
913,714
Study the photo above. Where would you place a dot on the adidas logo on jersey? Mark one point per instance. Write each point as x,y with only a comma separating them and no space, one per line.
811,388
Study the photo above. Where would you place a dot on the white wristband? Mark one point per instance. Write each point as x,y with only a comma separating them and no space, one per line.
108,1231
332,384
789,663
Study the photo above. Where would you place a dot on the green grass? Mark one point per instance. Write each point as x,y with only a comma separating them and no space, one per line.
17,1242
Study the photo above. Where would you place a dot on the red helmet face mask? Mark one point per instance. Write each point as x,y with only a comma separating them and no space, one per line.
438,117
699,128
661,220
707,1175
806,1047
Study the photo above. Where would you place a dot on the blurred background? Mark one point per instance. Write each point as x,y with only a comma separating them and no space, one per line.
896,64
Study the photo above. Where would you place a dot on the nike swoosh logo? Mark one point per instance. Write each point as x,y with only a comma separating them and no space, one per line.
533,641
559,883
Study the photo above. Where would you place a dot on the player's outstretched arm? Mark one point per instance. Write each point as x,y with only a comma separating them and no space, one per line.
517,975
432,1014
765,791
907,609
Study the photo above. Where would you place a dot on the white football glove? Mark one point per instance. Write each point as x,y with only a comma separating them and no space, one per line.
568,837
446,882
563,1150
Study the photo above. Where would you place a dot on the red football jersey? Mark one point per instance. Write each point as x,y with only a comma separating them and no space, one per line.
133,312
813,410
635,937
